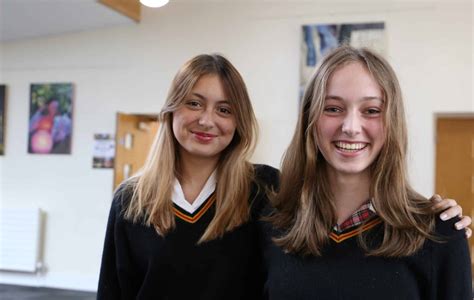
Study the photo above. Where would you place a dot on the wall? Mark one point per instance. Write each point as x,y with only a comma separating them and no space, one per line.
129,69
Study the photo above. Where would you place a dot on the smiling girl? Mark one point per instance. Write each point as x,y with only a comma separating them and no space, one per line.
346,223
184,227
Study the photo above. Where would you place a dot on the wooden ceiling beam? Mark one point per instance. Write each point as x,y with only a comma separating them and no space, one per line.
129,8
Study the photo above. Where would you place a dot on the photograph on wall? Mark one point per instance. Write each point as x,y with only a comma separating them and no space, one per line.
104,151
318,40
50,123
2,118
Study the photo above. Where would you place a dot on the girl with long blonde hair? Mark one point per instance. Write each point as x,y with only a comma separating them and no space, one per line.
184,227
347,224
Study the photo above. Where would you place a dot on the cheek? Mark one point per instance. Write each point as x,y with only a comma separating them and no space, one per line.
229,127
178,125
181,118
175,125
377,131
326,128
318,137
176,134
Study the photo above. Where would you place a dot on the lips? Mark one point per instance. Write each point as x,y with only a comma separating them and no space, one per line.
350,146
203,136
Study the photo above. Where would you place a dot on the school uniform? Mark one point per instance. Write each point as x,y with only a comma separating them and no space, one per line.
344,271
138,263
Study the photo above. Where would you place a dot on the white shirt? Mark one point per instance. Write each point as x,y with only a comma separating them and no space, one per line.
178,196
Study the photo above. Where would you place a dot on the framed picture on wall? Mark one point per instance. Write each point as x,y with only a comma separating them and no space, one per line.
104,151
50,122
318,40
2,118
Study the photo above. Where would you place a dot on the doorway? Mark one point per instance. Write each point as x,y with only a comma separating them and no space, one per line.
455,161
134,137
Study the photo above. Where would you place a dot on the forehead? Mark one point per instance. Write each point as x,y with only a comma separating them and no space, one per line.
210,86
353,81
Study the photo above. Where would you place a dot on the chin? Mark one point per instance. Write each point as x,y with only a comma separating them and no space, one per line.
203,154
351,170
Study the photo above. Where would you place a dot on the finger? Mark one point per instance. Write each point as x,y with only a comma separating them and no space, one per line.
444,204
436,198
468,232
451,213
463,223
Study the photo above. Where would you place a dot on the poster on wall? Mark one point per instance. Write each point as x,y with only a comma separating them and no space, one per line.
50,123
2,118
320,39
104,151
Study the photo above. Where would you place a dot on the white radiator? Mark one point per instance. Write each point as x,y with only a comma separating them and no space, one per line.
20,239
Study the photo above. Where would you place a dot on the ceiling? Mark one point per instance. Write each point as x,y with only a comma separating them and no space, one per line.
24,19
21,19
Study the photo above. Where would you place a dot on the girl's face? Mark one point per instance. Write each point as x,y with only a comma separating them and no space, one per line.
350,131
204,124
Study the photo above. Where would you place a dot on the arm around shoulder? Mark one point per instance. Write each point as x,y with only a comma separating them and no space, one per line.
451,264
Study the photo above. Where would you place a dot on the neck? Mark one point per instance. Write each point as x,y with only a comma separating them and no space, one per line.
350,192
193,174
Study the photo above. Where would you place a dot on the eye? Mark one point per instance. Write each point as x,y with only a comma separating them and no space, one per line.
332,109
194,104
373,111
224,110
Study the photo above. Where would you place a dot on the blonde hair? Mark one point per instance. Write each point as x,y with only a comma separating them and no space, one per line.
305,209
152,188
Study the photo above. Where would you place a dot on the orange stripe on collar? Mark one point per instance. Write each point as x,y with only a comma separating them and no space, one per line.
338,238
196,216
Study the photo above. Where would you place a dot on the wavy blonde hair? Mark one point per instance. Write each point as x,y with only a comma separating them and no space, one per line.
152,187
305,208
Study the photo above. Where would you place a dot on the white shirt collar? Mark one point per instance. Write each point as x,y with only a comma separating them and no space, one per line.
178,196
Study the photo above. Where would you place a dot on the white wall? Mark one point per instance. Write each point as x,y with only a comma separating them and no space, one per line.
130,68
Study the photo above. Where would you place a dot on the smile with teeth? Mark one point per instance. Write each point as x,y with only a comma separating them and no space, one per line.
351,147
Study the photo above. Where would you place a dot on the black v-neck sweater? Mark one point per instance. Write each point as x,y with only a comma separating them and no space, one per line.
137,263
437,271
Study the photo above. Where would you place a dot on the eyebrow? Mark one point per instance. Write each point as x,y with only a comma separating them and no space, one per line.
204,98
367,98
198,95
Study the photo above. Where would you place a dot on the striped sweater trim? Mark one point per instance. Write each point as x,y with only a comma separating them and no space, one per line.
194,217
338,238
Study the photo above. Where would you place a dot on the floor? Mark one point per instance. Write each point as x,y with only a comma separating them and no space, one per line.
14,292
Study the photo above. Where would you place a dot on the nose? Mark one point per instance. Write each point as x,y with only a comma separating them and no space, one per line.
352,124
206,118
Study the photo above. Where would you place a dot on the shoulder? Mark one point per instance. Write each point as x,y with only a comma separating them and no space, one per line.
445,230
123,195
446,239
449,262
265,180
267,175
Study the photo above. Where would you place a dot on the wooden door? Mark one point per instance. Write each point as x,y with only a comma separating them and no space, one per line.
134,137
455,162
